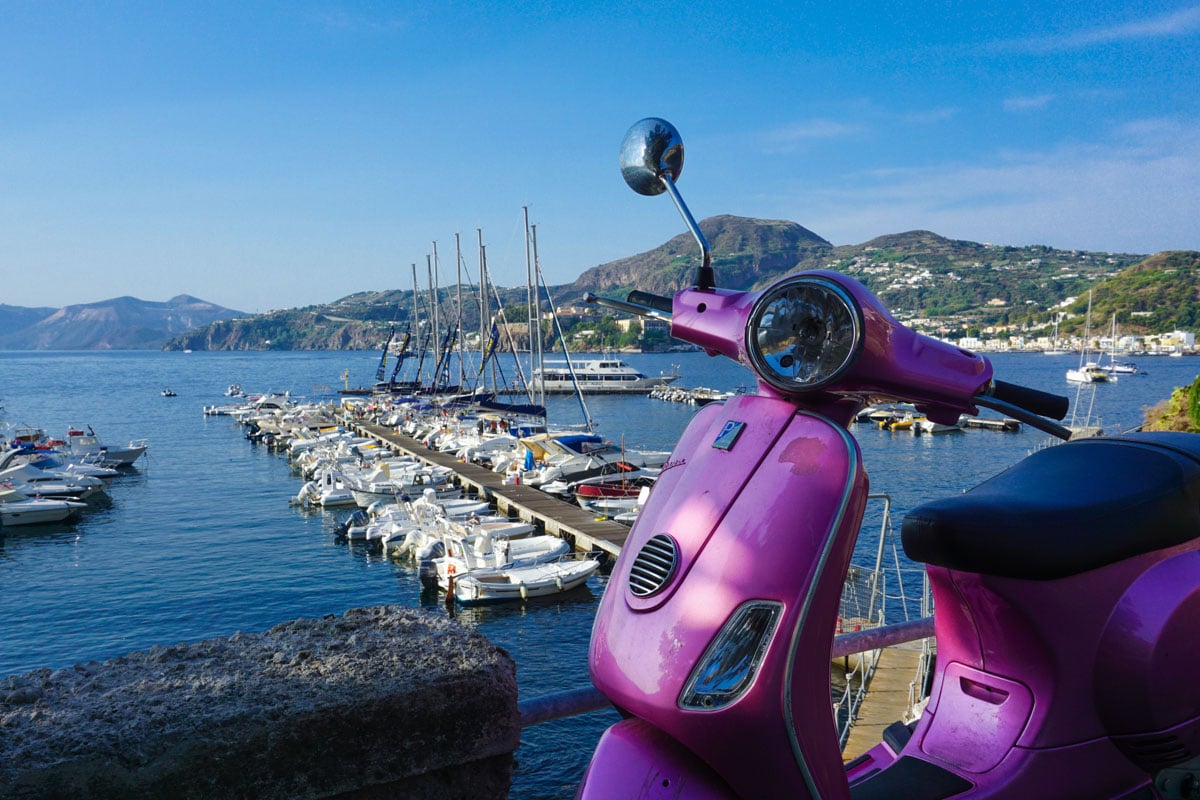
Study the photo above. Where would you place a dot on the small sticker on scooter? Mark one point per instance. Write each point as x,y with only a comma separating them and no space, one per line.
729,435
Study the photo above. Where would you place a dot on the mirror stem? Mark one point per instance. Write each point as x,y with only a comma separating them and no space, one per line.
705,279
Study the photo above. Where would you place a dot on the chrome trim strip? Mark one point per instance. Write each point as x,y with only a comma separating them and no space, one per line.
806,606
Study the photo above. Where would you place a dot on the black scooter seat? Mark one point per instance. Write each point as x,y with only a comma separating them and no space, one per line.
1067,509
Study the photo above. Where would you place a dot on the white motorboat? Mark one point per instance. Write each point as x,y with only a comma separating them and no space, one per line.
522,583
493,546
87,445
20,509
34,481
382,483
48,461
595,376
326,491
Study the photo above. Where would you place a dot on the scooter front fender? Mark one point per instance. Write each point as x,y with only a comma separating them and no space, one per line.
636,761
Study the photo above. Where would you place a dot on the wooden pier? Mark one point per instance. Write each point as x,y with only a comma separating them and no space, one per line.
888,697
576,525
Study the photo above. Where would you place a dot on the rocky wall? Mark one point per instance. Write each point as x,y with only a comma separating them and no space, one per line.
380,702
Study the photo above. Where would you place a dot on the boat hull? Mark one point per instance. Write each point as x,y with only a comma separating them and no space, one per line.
516,585
37,512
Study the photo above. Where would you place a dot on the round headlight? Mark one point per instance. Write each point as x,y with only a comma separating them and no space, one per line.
803,333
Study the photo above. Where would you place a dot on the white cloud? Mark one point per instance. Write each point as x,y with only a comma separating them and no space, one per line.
796,133
1134,193
340,19
930,116
1028,103
1183,22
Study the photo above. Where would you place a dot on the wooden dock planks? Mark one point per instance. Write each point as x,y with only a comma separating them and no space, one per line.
887,697
531,505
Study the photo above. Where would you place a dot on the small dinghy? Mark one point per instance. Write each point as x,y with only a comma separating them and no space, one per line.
521,583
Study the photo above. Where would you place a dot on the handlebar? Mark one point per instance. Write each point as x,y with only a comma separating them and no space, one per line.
631,306
657,301
1027,405
1044,404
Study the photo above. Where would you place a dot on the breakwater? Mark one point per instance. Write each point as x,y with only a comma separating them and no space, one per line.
378,702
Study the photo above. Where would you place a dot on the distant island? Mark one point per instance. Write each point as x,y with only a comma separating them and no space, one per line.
123,323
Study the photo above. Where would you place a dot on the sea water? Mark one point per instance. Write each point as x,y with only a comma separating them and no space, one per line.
199,541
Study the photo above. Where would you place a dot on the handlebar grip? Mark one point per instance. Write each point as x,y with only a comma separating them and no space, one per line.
655,301
1045,404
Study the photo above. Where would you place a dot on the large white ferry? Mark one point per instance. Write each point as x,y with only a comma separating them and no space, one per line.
595,376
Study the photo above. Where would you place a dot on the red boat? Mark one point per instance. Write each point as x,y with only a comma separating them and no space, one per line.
614,486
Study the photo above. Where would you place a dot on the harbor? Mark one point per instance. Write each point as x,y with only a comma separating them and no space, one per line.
199,540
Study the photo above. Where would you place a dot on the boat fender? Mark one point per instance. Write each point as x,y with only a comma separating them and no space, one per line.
450,589
558,582
524,594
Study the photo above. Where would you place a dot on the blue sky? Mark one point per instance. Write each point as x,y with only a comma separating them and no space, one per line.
270,155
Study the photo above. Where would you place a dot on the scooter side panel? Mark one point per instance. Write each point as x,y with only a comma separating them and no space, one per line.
762,525
636,761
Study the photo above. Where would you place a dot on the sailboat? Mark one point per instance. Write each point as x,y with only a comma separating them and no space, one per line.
1055,350
1114,367
1088,371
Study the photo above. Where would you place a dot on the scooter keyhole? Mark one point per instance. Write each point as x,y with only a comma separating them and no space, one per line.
702,307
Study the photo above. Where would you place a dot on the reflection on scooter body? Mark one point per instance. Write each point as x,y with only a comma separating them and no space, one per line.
1067,588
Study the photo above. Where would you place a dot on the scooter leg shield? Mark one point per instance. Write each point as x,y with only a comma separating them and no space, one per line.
636,761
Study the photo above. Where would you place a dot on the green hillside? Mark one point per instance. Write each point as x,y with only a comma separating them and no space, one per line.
937,284
1156,295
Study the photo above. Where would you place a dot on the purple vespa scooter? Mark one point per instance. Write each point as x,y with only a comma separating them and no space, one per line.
1067,588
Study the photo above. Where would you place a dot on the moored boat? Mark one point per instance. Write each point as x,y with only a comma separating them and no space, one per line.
595,376
17,508
1090,372
87,445
523,583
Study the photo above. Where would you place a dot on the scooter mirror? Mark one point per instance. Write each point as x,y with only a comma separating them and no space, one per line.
651,148
651,161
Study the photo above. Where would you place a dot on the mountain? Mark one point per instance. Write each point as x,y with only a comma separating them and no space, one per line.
15,318
123,323
338,326
745,253
918,274
1156,295
937,284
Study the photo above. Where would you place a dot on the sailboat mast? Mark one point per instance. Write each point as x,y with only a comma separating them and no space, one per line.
420,338
587,416
435,305
485,311
528,280
537,306
458,291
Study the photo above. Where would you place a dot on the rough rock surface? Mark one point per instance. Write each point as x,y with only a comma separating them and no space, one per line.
381,702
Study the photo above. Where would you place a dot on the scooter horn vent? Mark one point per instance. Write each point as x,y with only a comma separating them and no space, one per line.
654,565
